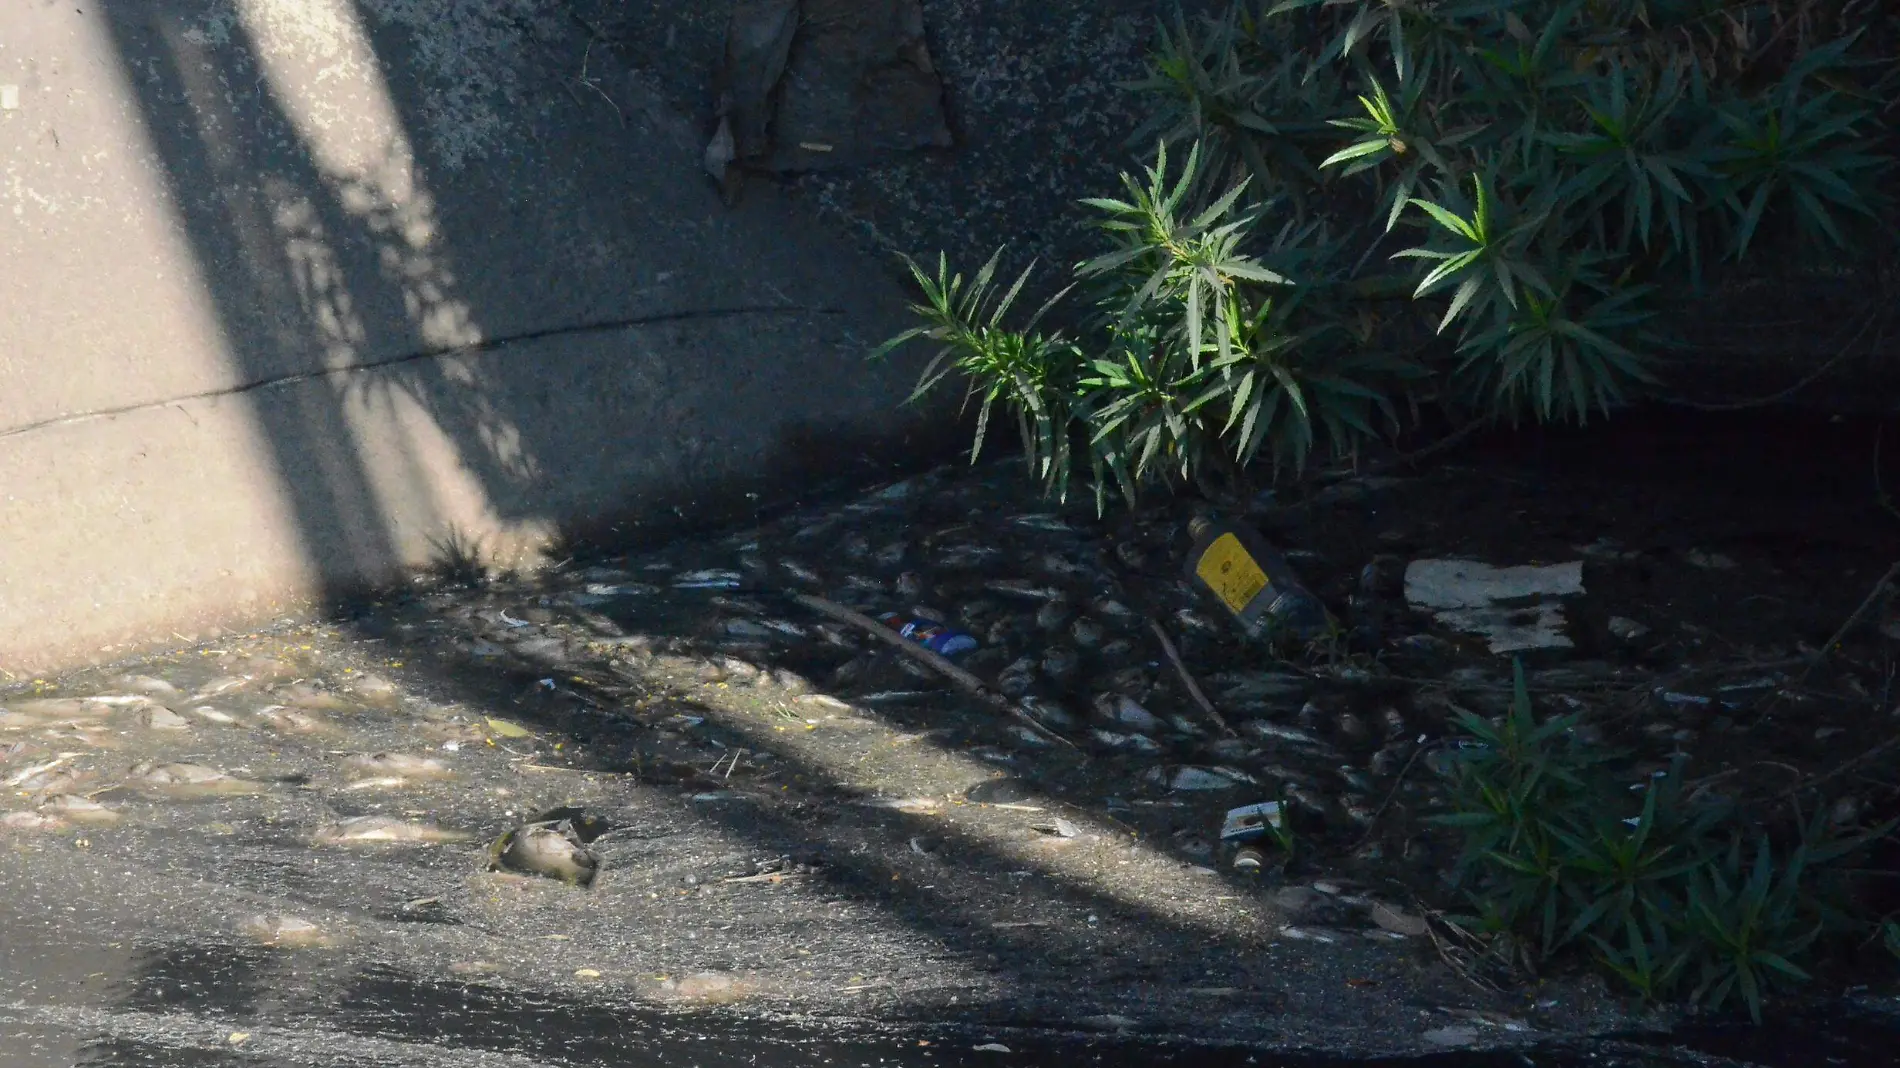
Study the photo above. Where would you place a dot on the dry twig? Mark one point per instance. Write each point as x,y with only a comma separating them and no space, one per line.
1373,824
1867,603
968,682
1193,688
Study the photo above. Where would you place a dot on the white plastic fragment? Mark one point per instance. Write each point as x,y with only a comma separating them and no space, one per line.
1514,607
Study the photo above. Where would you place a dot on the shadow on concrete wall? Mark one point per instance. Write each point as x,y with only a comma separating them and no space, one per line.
559,318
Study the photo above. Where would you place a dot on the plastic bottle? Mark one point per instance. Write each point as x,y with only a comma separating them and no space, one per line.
930,634
1251,580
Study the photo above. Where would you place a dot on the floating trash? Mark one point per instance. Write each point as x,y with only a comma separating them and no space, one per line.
1515,608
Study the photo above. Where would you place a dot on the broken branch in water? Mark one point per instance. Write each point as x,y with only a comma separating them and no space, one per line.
1193,688
966,681
1867,603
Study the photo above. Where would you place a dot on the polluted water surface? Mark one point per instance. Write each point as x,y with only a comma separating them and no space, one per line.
635,783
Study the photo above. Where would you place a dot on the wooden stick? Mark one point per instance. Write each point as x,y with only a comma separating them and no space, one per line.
1372,825
968,682
1193,688
1873,597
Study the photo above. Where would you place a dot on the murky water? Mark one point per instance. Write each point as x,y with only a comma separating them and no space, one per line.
270,851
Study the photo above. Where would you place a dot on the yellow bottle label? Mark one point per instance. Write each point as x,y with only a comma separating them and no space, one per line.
1230,571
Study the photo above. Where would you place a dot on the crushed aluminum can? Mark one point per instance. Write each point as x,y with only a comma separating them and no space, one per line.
1250,821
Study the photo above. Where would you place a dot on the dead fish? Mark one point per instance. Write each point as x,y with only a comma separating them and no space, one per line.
375,688
1125,711
1282,773
1054,614
159,718
1355,779
1113,609
1307,798
1184,725
1249,687
60,709
219,686
1359,811
552,850
957,557
285,932
801,572
147,684
1060,663
1131,555
1119,649
1349,726
1028,737
1018,678
891,555
378,830
212,715
181,778
1087,633
1025,590
1042,521
1232,749
1138,743
704,987
891,697
1048,713
291,721
1193,621
77,809
310,698
1065,567
39,776
708,579
1190,777
397,765
1394,723
911,585
30,821
1274,732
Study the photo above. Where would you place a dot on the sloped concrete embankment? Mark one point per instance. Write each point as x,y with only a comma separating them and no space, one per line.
300,292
